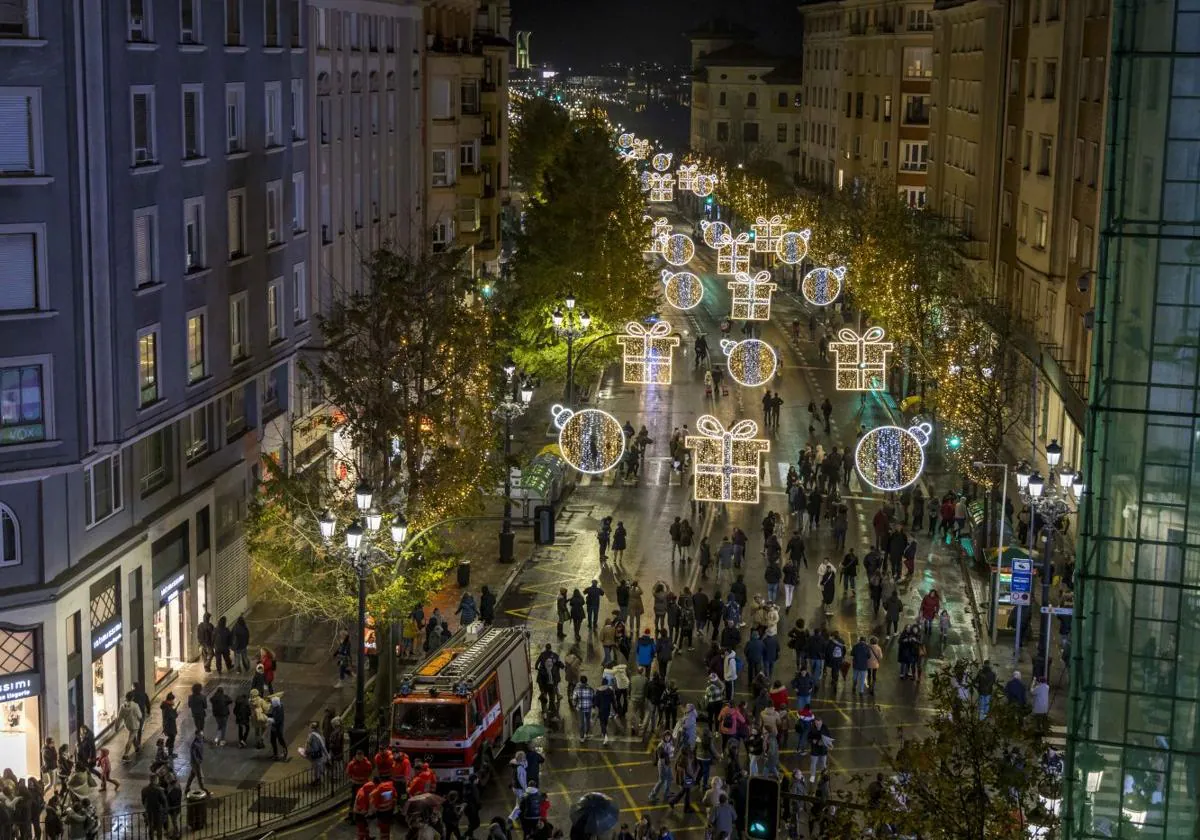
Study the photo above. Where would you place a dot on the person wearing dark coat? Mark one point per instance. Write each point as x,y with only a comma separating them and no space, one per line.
154,803
198,706
205,634
241,716
487,605
241,644
221,705
223,644
576,606
170,721
620,539
896,543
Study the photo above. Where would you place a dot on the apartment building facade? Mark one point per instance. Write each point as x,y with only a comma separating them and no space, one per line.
745,104
154,243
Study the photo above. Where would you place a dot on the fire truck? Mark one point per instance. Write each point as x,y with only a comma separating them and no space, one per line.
461,704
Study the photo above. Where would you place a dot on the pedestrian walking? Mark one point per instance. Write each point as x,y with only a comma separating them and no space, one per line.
275,718
985,686
592,596
466,610
820,741
198,707
602,538
584,699
204,637
317,752
826,411
221,705
130,717
577,612
196,765
663,755
619,539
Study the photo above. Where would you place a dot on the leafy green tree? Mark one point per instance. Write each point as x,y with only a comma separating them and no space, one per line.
540,129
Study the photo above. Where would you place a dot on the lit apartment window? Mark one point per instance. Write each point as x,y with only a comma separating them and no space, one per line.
193,122
275,311
189,21
235,118
145,247
102,489
139,20
236,211
299,294
914,156
918,62
20,130
142,114
233,23
440,171
197,347
147,345
238,327
196,434
271,23
24,405
273,114
193,234
1041,228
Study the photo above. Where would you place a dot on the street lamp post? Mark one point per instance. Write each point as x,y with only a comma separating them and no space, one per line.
518,395
1001,545
570,325
360,556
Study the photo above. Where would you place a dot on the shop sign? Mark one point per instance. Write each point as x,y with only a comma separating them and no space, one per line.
19,686
106,637
174,583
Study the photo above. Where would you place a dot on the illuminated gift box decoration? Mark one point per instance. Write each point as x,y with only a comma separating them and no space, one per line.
662,186
682,289
792,247
686,177
861,359
725,462
659,233
647,353
752,296
767,233
733,254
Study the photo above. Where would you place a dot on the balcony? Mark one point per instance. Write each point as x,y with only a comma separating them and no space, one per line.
470,182
916,115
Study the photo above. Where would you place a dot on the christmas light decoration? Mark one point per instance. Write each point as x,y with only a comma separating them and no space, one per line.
767,233
659,233
861,361
733,254
644,180
704,185
821,286
686,177
751,362
792,246
715,233
678,249
626,140
590,440
647,353
661,161
752,296
725,462
890,458
683,290
662,187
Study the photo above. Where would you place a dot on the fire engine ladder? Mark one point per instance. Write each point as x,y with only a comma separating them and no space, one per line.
463,663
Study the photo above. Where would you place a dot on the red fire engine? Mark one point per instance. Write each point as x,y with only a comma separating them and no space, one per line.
460,705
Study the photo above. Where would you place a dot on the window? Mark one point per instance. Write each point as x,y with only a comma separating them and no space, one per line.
914,197
189,21
470,96
781,99
235,118
274,212
238,326
1085,76
1093,164
752,100
443,233
193,234
299,203
197,346
914,156
1010,142
193,122
233,405
750,132
918,62
21,257
1077,161
1014,76
147,345
920,20
1052,9
145,247
236,210
1085,248
22,403
297,109
275,311
152,456
1045,153
195,435
722,132
233,23
1041,228
20,130
10,538
797,133
1050,80
916,110
102,489
271,23
295,23
887,109
139,20
440,170
1027,151
1006,208
781,133
1023,222
299,294
467,157
1031,81
721,99
142,113
1073,240
273,114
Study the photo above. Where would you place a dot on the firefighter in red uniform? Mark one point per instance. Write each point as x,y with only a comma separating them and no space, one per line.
384,762
402,771
362,809
358,771
424,782
383,800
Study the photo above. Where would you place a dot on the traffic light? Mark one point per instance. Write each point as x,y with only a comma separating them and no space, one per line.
708,202
953,442
762,808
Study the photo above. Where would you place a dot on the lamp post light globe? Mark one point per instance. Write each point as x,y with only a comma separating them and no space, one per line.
1078,486
1036,485
570,301
1023,475
557,317
363,496
526,392
374,519
327,524
1066,477
510,367
585,320
1053,453
399,529
354,536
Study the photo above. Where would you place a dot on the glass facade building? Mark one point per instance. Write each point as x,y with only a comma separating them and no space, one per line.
1134,717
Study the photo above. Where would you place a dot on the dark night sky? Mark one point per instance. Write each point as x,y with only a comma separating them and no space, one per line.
584,34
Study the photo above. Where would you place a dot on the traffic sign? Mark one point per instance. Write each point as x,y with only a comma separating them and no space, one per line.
1022,581
1059,610
1019,599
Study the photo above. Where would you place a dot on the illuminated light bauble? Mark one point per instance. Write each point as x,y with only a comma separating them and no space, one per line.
704,185
767,233
661,161
752,296
725,462
678,249
647,353
644,180
682,289
821,286
792,246
626,140
733,254
590,440
751,362
715,233
861,360
662,186
890,458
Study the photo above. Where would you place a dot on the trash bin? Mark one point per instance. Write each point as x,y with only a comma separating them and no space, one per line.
464,573
197,810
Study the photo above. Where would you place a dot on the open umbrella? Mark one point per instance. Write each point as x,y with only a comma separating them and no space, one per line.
527,732
595,813
422,801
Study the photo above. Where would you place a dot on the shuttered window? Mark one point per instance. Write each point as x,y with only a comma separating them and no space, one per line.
16,132
144,242
18,272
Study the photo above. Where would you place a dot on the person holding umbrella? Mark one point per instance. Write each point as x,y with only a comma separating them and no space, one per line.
595,814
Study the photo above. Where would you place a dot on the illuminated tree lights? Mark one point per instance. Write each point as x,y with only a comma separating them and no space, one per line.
590,440
715,233
861,361
662,186
725,462
661,161
647,353
890,458
752,296
767,233
751,362
683,290
678,249
821,286
733,254
792,246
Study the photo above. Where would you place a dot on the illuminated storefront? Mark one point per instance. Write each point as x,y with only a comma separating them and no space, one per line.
172,617
20,702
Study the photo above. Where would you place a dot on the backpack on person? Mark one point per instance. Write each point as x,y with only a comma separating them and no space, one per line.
838,651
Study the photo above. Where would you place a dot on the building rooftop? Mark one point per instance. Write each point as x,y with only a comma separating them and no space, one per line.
720,27
741,54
